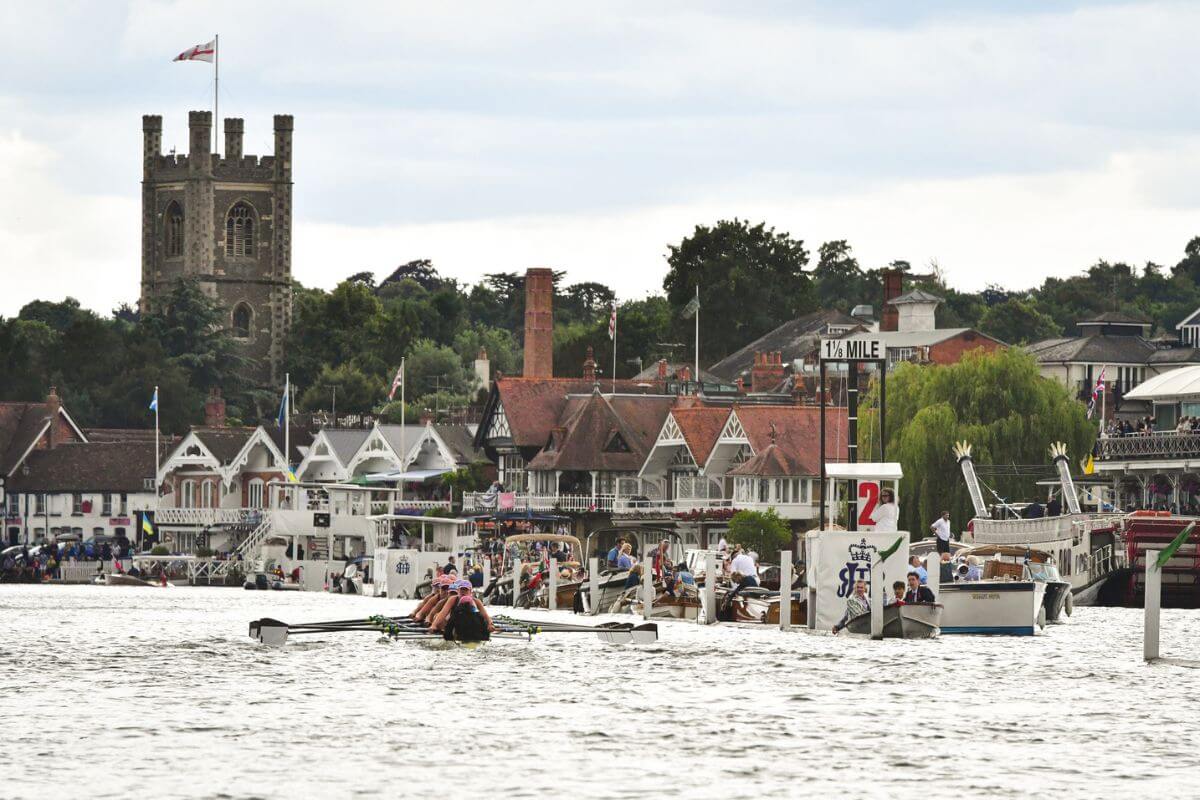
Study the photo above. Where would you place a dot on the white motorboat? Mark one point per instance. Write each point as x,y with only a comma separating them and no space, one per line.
992,606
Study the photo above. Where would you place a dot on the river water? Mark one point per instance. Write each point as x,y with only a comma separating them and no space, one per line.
115,692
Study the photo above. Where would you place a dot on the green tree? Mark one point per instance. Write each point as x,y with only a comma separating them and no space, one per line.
1018,320
357,392
431,368
751,280
839,281
995,401
503,351
764,532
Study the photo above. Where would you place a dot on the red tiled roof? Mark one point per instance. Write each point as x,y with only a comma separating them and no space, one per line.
797,435
773,462
534,406
701,427
89,466
590,425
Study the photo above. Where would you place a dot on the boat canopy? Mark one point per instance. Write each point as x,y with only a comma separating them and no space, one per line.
411,476
1182,382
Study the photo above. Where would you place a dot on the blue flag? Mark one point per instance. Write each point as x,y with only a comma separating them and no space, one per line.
154,400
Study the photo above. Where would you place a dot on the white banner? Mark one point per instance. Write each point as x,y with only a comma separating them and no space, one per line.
379,571
838,558
402,573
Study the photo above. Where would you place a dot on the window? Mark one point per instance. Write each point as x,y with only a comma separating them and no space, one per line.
239,232
124,507
206,494
254,493
39,504
76,504
106,505
11,502
187,494
173,231
242,318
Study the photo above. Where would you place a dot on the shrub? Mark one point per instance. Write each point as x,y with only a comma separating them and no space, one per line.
764,532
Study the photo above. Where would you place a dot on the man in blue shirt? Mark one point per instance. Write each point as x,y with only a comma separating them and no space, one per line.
914,565
615,553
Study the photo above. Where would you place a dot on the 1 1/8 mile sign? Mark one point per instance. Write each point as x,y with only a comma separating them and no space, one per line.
852,350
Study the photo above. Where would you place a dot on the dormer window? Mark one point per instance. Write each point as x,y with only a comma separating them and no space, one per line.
616,444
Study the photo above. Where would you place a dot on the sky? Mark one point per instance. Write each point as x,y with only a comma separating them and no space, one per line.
1005,141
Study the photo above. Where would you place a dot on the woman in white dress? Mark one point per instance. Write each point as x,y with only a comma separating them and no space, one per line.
886,516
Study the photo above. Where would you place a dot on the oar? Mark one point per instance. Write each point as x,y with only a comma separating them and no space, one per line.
611,632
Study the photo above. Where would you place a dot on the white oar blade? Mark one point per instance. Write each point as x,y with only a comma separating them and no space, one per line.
645,634
272,635
614,637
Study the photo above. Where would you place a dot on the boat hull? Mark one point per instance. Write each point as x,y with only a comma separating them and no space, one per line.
1055,600
1010,608
909,621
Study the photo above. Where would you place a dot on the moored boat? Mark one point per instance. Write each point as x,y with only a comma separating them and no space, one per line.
903,621
1006,607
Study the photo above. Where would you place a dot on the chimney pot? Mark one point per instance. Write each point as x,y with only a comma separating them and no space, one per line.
589,366
53,404
662,369
214,409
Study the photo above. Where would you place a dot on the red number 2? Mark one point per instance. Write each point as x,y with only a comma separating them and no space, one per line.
870,491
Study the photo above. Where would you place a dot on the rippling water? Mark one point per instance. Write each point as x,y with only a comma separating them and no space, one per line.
110,692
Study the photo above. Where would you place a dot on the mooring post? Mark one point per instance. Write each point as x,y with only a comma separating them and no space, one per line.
877,604
933,568
647,586
516,579
552,587
487,571
1153,604
710,588
785,589
594,586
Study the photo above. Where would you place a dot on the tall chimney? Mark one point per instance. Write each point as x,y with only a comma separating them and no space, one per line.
483,369
53,404
214,409
589,365
893,287
662,369
539,323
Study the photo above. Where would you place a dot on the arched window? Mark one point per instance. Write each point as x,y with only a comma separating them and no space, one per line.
188,494
206,494
173,230
242,318
239,231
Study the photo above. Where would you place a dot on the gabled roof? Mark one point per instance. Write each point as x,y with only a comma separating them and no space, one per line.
533,406
914,297
793,339
460,441
1113,318
895,339
343,442
89,467
401,438
797,434
223,443
650,373
22,425
700,426
772,462
591,424
121,434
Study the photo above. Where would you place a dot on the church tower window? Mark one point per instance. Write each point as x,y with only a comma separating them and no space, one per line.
242,318
239,231
173,230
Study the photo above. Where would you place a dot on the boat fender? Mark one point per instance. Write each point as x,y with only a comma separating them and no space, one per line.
1041,618
1070,604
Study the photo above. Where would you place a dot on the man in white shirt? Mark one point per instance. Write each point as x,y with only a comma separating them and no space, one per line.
743,563
941,529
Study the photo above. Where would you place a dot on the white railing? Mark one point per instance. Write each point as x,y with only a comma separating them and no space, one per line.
521,501
1022,531
1156,444
207,516
86,571
247,549
397,506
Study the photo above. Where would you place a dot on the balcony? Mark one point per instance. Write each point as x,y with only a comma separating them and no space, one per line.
1155,445
207,516
523,501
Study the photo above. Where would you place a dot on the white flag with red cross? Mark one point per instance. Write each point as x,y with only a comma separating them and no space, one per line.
201,52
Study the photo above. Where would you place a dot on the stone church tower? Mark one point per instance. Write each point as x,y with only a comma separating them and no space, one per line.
228,222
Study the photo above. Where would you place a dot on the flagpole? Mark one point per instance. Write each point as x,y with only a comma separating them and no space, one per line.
403,380
156,463
697,354
287,422
614,367
216,93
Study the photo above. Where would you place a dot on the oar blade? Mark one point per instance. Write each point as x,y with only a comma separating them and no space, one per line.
272,633
645,634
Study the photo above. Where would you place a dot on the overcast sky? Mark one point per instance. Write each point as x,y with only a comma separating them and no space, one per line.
1006,140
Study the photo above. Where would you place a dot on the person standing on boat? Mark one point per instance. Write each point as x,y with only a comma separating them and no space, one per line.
856,604
886,517
941,529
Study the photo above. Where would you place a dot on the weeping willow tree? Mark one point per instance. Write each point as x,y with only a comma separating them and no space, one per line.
996,401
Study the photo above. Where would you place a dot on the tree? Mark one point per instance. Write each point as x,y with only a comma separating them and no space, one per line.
840,282
1018,320
431,367
56,315
503,352
357,392
751,280
763,532
995,401
190,327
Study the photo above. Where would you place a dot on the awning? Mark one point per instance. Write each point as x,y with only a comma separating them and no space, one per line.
887,470
412,476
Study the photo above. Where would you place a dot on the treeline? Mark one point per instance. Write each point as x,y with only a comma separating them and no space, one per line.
751,279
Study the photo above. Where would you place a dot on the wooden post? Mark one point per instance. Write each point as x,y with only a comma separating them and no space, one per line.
785,590
487,572
709,596
934,581
594,585
552,586
647,586
516,581
1152,604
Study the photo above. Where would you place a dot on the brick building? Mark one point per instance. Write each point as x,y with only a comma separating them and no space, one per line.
227,221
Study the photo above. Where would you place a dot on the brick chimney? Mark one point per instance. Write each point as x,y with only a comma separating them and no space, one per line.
589,365
767,372
741,385
684,373
214,409
893,287
53,405
483,369
539,323
662,369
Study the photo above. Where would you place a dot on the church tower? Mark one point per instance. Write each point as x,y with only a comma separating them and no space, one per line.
226,221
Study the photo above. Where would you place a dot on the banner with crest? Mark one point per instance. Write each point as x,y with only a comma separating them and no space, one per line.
836,559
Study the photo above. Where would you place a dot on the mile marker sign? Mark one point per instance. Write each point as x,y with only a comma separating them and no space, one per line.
852,350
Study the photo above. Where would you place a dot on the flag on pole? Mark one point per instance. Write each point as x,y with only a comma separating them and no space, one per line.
397,381
612,325
283,403
1175,544
201,52
147,525
691,308
154,400
1097,390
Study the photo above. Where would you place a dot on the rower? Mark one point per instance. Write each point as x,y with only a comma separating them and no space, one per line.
428,607
463,617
